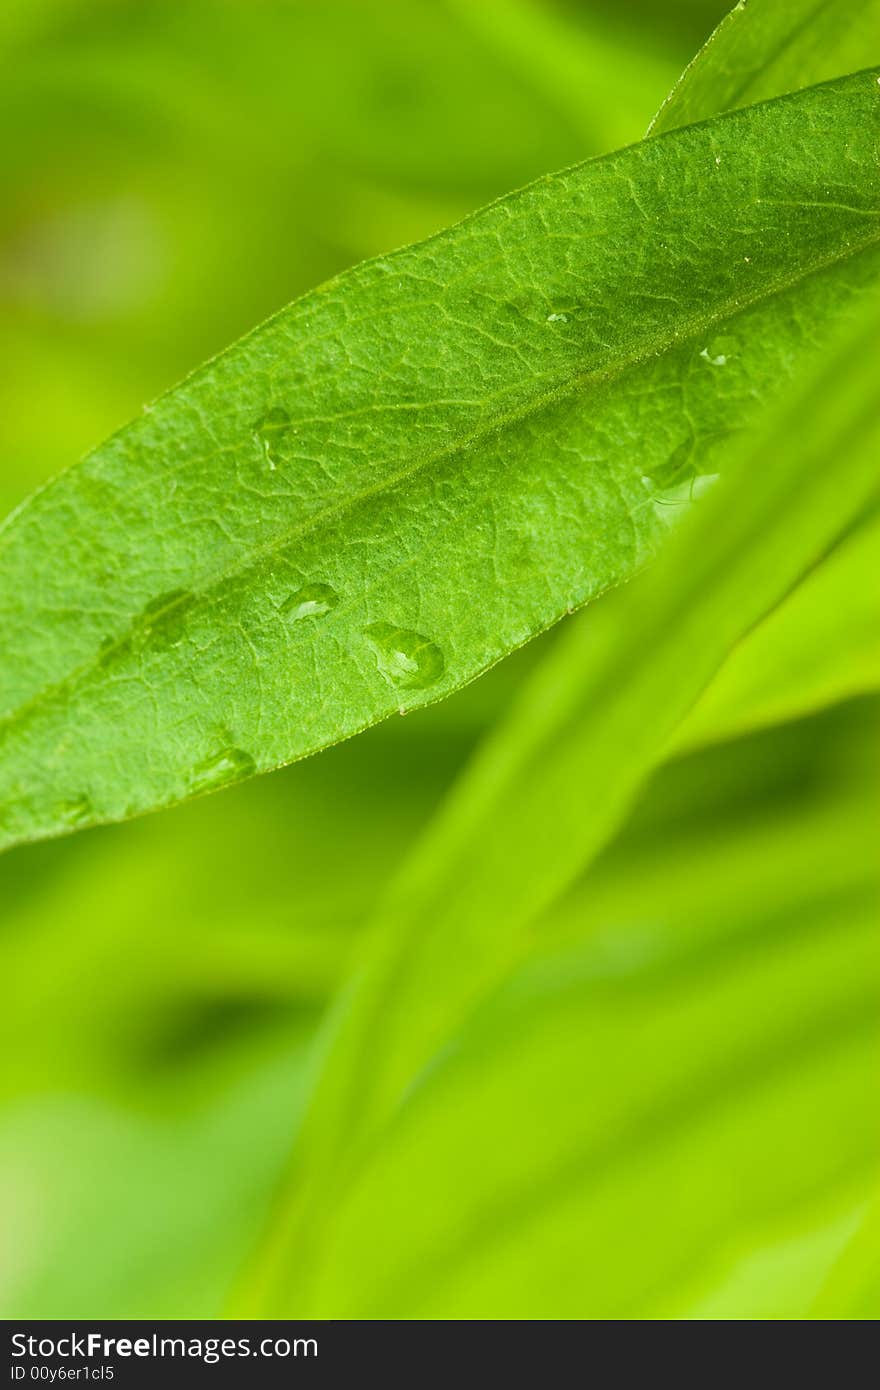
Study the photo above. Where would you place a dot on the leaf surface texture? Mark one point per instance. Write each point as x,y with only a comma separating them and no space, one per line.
411,471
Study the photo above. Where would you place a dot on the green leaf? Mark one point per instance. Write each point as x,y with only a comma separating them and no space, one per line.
852,1290
765,48
408,473
583,71
554,784
627,1126
820,646
636,1126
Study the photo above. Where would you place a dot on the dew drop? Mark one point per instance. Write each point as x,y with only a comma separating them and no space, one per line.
719,352
677,483
227,766
702,483
107,649
405,659
163,619
76,810
674,470
672,502
161,622
311,601
269,431
671,483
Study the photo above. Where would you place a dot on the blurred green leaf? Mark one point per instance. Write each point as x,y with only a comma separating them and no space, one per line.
821,645
622,1124
584,73
852,1289
623,1117
628,1127
765,48
386,488
145,1204
555,784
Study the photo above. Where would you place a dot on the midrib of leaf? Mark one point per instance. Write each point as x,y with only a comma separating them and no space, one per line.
678,336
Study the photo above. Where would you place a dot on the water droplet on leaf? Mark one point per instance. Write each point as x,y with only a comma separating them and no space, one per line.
229,765
406,659
674,470
161,623
719,352
111,647
677,483
311,601
164,618
269,431
77,810
702,483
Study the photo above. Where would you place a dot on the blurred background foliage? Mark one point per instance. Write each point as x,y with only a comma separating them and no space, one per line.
175,170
